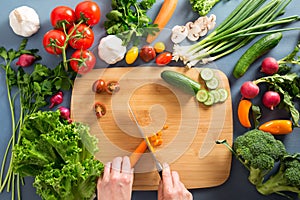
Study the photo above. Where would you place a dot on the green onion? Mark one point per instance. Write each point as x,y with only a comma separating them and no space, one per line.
249,19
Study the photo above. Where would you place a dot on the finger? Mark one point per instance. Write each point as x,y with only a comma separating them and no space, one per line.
116,167
126,167
166,173
106,173
160,191
176,179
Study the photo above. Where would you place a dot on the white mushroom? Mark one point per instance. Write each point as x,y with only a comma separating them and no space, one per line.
179,33
24,21
193,31
211,22
111,50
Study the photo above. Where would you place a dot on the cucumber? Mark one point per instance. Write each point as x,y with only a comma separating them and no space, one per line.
202,95
181,81
210,100
258,49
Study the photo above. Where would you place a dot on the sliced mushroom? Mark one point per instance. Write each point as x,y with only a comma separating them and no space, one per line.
194,31
179,33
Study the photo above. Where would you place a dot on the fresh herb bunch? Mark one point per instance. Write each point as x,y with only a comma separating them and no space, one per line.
129,21
59,154
27,91
286,63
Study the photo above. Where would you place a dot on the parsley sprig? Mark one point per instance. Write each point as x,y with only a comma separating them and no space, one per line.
26,94
128,20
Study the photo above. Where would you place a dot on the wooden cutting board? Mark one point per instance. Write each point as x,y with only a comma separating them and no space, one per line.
188,142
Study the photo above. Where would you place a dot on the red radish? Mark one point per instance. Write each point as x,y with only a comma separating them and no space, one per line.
25,60
249,90
271,99
56,99
65,113
269,66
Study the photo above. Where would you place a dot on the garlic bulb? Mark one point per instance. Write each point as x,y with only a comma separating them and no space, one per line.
111,50
24,21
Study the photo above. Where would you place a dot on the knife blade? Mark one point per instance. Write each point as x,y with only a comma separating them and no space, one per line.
158,165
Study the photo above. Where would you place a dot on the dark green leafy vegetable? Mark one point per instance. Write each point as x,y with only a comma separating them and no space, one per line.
286,63
60,155
27,92
129,21
203,6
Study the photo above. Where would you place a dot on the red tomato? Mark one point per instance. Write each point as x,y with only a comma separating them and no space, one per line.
147,53
62,15
89,12
82,61
163,58
53,41
81,37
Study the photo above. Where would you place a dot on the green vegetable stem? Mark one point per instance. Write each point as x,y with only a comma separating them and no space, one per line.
28,92
249,19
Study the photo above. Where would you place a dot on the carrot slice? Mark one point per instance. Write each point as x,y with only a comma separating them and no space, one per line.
138,152
164,15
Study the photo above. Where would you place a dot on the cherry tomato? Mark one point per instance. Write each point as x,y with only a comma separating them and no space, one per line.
82,61
112,87
147,53
62,15
100,109
89,12
163,58
82,37
99,86
53,41
132,55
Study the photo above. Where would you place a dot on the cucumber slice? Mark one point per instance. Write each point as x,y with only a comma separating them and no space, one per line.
217,96
223,94
206,74
210,100
212,83
202,95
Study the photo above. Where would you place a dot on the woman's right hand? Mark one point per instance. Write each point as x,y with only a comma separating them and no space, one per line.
171,188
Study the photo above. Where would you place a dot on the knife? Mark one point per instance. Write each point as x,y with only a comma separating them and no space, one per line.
158,165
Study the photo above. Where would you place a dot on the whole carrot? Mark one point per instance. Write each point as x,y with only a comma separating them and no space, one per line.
164,15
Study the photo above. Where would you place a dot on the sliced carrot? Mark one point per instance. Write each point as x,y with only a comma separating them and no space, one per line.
138,152
243,112
164,15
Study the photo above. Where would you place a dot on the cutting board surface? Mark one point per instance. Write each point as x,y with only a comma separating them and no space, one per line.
188,142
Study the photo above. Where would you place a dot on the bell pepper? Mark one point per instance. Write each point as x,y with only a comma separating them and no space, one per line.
243,112
277,127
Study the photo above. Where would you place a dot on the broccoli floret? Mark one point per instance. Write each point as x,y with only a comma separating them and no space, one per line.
258,151
203,6
287,179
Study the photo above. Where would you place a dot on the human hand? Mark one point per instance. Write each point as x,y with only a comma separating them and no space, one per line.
171,188
116,182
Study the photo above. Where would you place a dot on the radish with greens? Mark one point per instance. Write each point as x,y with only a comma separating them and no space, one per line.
249,90
269,66
271,99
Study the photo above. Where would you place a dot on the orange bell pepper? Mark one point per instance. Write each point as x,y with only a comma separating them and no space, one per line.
277,127
243,112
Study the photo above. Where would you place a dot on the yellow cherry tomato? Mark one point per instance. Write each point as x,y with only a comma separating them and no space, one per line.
132,55
159,47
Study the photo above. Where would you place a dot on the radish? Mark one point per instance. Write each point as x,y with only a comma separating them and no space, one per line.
269,66
271,99
65,113
25,60
249,90
56,99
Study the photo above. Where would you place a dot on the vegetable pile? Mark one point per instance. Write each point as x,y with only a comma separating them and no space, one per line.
27,91
73,28
259,151
59,154
249,19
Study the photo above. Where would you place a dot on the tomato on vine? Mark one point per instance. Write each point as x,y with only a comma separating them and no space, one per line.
89,12
82,61
62,15
81,37
54,41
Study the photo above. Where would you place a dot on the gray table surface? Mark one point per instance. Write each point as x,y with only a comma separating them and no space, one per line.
237,186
